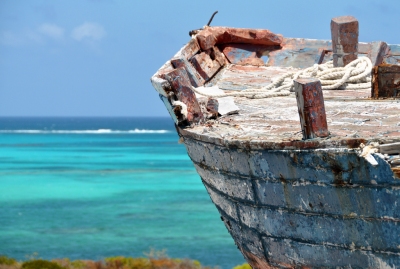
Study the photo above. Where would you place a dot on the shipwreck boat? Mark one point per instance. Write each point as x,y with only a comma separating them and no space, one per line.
299,154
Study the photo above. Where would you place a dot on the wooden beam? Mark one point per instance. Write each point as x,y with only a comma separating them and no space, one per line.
195,78
212,36
393,148
161,85
386,81
378,51
310,103
344,31
180,82
205,65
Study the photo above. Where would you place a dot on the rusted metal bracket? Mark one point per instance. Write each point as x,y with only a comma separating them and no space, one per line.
310,103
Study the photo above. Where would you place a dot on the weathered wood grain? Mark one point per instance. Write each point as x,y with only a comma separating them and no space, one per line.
180,82
386,81
344,31
289,202
211,36
205,66
162,86
310,103
195,78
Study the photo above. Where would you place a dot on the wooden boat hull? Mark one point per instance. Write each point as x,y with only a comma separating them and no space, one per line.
289,202
314,208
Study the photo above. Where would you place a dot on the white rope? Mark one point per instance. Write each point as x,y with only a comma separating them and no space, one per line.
355,76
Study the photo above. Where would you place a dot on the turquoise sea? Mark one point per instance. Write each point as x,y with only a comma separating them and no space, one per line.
89,188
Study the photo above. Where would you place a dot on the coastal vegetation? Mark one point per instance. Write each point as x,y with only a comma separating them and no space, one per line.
119,262
153,260
243,266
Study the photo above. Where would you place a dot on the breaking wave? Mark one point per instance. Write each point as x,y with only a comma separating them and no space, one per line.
99,131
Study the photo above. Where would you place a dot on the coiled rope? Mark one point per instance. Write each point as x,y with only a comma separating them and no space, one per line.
355,75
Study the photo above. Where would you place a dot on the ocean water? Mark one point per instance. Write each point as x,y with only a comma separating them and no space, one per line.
89,188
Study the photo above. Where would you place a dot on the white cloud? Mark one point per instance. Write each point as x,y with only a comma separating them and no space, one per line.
51,30
88,31
32,36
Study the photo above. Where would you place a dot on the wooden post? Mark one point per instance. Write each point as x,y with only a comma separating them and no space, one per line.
310,103
344,31
181,86
385,81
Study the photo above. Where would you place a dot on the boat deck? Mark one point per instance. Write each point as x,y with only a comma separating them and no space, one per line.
352,115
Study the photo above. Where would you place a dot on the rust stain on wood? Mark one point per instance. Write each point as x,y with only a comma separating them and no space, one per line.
211,36
310,103
195,78
344,32
385,81
205,65
180,83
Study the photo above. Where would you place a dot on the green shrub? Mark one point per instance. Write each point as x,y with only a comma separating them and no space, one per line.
7,261
78,264
243,266
120,262
155,260
40,264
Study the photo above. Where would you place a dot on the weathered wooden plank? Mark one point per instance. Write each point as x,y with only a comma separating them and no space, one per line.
232,186
394,49
205,65
328,199
190,49
310,103
344,31
167,67
378,51
228,207
319,229
181,86
364,48
248,241
195,78
243,35
243,54
393,57
294,254
217,55
170,108
161,85
206,38
385,81
392,148
299,52
235,54
211,36
218,157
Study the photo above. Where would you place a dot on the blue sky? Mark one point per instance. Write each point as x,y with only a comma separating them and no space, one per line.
96,57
